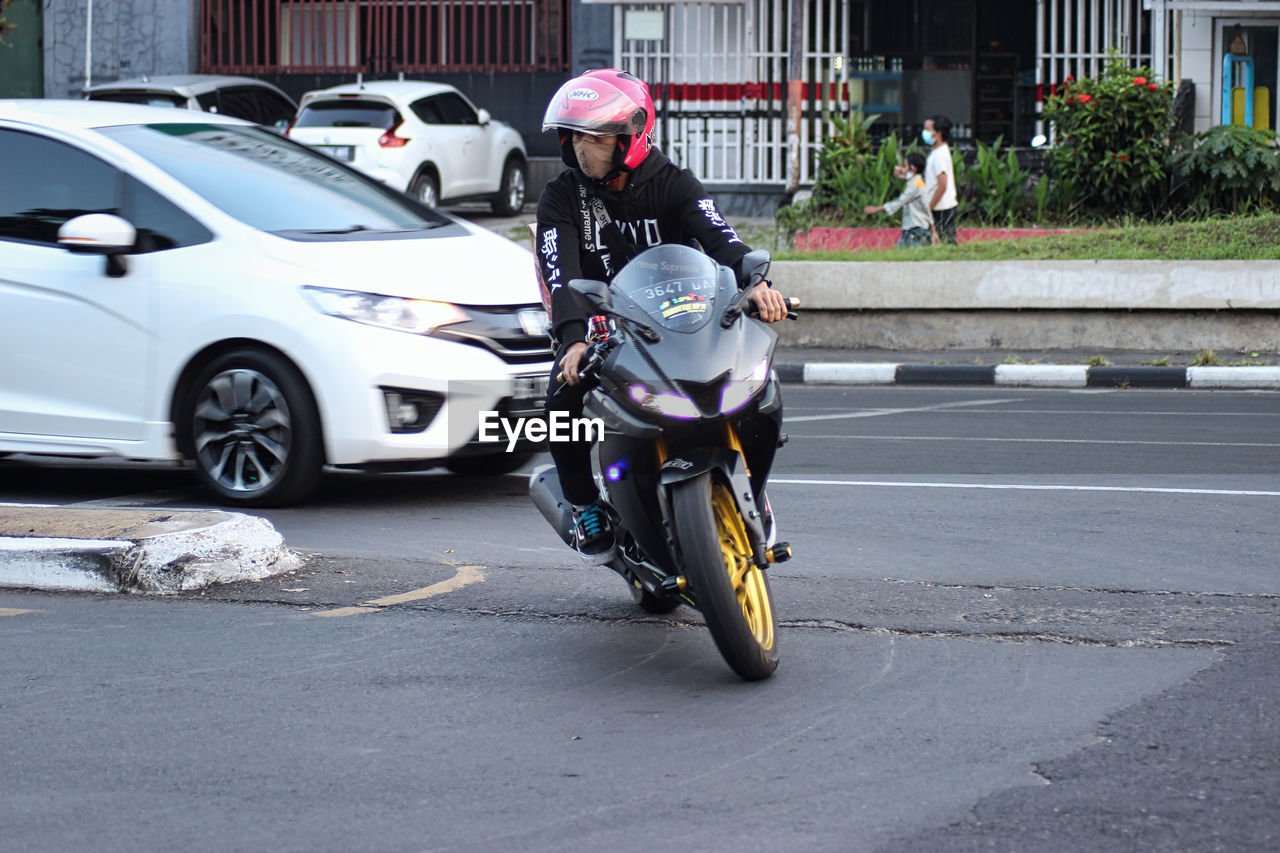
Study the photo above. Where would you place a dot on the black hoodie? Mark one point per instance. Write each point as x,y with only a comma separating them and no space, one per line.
660,203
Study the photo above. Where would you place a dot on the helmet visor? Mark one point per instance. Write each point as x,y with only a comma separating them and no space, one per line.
594,107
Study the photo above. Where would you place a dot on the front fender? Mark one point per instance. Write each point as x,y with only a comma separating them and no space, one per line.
727,465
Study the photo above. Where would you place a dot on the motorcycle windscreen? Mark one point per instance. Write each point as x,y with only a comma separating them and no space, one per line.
677,286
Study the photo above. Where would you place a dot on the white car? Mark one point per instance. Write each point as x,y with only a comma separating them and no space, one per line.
240,97
425,139
173,287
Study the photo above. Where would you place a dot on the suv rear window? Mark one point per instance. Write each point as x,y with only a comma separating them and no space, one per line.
348,114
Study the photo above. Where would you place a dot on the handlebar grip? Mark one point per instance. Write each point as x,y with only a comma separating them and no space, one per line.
587,366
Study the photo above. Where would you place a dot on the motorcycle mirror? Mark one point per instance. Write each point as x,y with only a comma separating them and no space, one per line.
593,297
755,267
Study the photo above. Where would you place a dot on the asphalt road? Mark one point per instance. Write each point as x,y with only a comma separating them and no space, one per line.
1017,620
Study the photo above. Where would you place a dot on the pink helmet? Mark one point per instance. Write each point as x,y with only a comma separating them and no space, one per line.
607,102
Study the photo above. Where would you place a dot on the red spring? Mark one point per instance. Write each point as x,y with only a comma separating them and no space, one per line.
599,327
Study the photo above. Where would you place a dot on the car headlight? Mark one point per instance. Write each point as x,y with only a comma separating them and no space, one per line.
665,403
418,316
738,391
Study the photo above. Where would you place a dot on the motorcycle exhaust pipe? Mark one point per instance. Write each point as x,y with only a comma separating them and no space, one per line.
544,488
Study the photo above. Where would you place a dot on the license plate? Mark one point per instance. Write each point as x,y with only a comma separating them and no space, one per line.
530,388
346,153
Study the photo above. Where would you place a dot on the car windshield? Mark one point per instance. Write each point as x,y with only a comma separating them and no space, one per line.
272,183
348,113
675,285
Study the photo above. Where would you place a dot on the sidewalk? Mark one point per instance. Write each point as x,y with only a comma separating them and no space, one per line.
135,550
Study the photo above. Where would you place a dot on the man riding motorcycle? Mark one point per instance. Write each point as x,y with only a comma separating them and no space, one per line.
618,196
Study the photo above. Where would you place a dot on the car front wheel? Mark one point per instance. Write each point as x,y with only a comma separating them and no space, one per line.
510,198
254,430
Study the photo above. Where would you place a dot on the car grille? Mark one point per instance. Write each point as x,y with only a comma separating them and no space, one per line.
501,330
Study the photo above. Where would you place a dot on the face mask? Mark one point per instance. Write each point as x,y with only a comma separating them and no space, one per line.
595,159
927,137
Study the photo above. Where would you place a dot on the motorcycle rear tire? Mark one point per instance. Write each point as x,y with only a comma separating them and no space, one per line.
730,590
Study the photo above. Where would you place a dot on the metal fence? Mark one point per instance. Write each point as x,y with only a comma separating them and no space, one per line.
718,71
377,36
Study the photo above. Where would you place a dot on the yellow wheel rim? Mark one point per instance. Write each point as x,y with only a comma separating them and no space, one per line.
746,577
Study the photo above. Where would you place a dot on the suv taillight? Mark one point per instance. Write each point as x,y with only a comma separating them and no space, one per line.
390,140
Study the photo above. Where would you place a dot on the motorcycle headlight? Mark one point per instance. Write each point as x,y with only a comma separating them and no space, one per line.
418,316
665,403
738,391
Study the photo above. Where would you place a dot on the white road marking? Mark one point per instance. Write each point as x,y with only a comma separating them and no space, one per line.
1082,412
875,413
1028,487
1122,441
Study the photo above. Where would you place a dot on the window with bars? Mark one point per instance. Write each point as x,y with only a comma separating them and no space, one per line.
320,36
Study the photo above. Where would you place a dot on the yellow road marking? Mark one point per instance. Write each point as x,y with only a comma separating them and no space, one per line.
466,575
13,611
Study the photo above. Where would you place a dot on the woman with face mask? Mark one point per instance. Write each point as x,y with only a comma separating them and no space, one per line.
618,196
940,177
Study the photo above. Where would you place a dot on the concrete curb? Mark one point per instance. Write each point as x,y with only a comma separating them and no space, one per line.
118,550
1039,375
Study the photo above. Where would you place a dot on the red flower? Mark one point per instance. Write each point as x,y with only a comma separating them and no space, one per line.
1152,87
1139,81
1086,98
1070,78
1122,157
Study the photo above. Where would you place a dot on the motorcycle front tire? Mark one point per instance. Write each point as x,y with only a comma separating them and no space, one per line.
730,590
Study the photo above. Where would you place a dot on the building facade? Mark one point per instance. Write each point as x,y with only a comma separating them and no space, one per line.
724,73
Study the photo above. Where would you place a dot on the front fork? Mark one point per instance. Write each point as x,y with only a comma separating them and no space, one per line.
730,461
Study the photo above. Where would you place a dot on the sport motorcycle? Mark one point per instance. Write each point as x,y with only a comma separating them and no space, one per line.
681,379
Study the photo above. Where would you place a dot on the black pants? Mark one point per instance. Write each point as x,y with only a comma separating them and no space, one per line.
572,458
945,222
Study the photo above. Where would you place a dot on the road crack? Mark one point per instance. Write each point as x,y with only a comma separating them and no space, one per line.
1002,636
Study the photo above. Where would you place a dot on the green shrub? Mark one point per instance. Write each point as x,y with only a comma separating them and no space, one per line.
1227,169
994,187
853,172
1110,140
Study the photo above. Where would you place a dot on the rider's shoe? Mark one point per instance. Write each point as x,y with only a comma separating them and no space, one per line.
593,534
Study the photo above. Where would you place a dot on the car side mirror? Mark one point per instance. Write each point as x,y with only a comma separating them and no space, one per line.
484,117
100,234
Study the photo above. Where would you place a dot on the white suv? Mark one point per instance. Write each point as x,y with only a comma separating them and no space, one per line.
423,138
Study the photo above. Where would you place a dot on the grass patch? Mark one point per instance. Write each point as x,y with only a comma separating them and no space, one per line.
1242,238
1206,358
1098,361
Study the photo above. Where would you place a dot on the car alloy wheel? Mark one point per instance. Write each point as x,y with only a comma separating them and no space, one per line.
511,192
424,189
255,434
